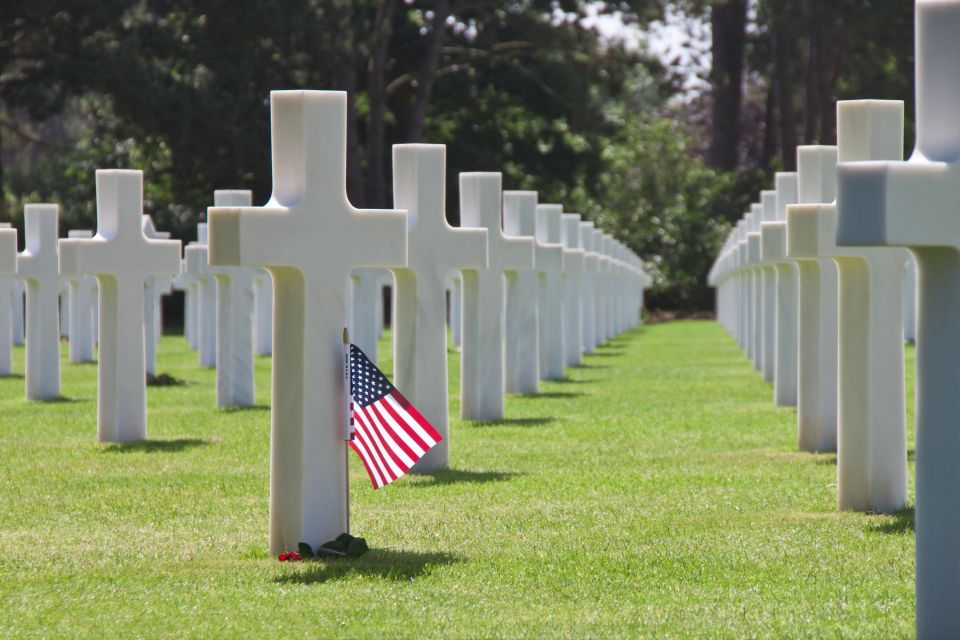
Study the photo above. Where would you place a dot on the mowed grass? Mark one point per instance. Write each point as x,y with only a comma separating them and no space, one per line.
657,492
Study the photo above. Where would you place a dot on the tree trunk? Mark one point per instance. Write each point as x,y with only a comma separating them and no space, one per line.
782,55
376,178
428,74
769,126
345,79
728,22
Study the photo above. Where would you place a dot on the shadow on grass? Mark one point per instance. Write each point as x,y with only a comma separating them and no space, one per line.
62,400
460,476
586,365
511,422
568,380
252,407
385,564
826,457
165,380
11,376
157,446
608,353
897,523
553,394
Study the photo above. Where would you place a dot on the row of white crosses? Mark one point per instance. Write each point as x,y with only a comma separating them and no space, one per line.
313,241
858,285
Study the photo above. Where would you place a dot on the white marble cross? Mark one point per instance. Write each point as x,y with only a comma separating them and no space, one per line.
235,307
482,362
63,294
768,279
310,238
871,447
154,289
7,291
914,204
773,251
82,298
187,283
366,297
122,259
456,306
523,287
198,265
435,249
551,316
8,266
589,301
37,265
573,268
19,319
600,289
817,318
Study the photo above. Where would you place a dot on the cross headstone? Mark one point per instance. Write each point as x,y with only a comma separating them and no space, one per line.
63,293
122,259
366,290
81,301
197,265
817,317
435,249
310,238
456,306
573,268
37,265
187,283
871,447
19,315
552,352
154,289
483,352
263,319
523,288
768,277
7,292
914,204
235,308
773,251
8,266
755,346
600,289
589,301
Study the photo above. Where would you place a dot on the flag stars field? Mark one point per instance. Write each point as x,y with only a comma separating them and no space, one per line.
609,506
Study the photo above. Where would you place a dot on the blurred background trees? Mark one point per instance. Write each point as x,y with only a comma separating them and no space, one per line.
663,154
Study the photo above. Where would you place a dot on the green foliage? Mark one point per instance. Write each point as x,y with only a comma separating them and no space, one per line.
609,506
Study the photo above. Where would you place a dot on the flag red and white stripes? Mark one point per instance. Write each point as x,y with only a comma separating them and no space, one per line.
388,433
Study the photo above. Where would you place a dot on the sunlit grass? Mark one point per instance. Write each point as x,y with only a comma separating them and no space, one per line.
656,492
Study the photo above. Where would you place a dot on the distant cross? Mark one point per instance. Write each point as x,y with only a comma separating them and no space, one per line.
235,309
552,350
588,304
871,447
523,289
197,265
435,249
82,298
310,238
38,266
817,317
483,356
8,267
122,259
155,288
573,267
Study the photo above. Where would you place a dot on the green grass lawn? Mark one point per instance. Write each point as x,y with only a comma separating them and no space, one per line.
656,492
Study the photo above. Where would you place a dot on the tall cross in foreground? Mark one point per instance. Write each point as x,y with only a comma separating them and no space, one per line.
122,258
915,204
310,238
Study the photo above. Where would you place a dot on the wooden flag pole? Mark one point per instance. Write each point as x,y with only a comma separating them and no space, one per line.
346,418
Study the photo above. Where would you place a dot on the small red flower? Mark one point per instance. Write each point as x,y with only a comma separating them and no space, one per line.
291,556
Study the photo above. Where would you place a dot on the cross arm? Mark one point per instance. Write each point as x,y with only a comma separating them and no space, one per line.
898,204
8,250
773,241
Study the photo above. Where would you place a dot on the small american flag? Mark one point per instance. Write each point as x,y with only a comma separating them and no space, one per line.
386,431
